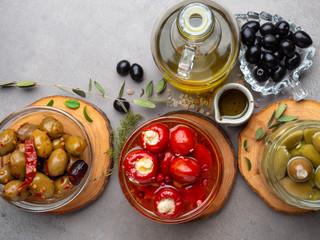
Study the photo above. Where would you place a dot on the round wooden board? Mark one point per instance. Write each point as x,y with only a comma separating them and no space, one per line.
228,156
305,109
99,134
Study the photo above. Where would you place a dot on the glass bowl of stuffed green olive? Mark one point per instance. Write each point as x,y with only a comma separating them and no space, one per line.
291,163
45,158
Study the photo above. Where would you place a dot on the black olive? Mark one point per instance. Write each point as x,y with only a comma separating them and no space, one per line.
248,36
40,164
282,28
278,73
287,47
77,172
123,67
302,39
258,41
261,74
118,107
288,36
270,61
293,61
253,54
254,25
270,42
279,54
268,28
136,72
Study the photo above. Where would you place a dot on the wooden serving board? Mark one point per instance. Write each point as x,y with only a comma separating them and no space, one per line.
100,138
305,109
227,153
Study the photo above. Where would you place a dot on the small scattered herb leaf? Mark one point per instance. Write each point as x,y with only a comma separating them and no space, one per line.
161,86
260,133
99,87
245,145
158,99
123,106
275,125
86,114
249,163
79,92
149,89
281,108
271,119
144,103
142,92
61,88
121,90
50,103
72,103
25,84
7,84
286,118
90,85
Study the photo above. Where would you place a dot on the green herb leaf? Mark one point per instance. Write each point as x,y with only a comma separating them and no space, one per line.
121,90
158,99
249,163
280,110
245,145
286,118
50,103
8,84
271,119
79,92
61,88
144,103
275,125
99,87
90,85
86,114
260,133
72,103
161,86
25,84
123,106
149,89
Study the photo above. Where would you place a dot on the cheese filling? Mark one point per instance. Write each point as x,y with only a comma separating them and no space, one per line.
151,137
166,206
144,165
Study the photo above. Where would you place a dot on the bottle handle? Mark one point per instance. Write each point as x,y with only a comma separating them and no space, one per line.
186,61
297,90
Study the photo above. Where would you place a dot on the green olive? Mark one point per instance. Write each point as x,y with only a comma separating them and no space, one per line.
295,152
52,126
299,169
315,195
57,162
311,180
292,140
281,159
42,143
20,147
72,160
317,177
11,193
311,153
6,174
75,145
25,130
308,134
8,141
17,163
62,185
316,140
42,186
299,190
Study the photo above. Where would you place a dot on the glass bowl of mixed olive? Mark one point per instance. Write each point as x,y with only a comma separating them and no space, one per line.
274,53
291,163
45,158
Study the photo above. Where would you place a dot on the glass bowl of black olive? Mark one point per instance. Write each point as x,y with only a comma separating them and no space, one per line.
45,158
274,53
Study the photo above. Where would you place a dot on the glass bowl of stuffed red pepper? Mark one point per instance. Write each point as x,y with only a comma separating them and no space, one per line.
45,158
170,170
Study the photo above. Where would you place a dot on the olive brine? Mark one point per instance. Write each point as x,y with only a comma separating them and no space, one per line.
44,161
273,48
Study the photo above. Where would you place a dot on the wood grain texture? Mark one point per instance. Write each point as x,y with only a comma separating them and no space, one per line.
99,135
227,153
305,109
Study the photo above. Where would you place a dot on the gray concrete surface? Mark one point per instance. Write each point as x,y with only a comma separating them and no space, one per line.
68,42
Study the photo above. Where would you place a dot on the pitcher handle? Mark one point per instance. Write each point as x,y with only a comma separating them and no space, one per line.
186,61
